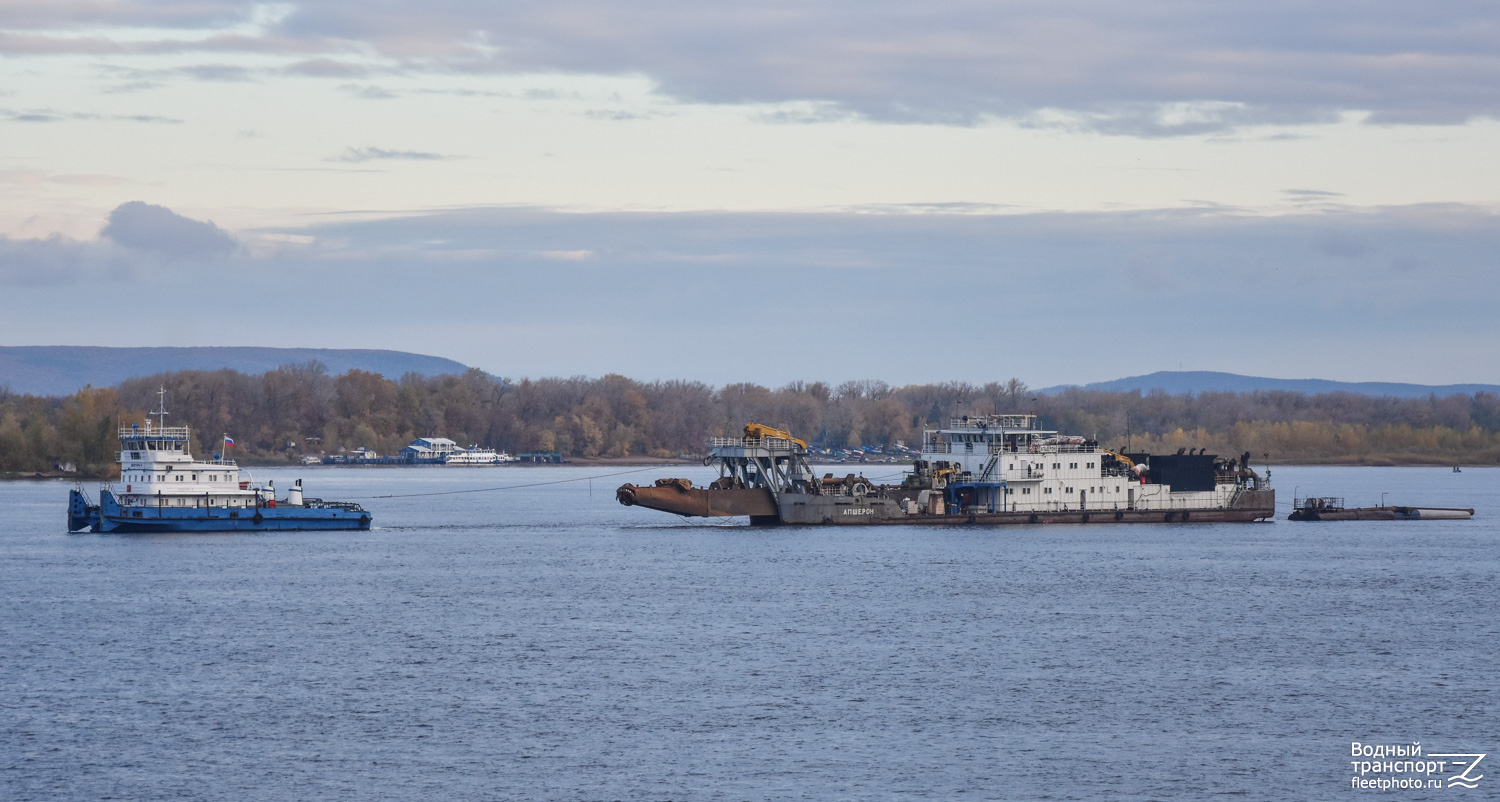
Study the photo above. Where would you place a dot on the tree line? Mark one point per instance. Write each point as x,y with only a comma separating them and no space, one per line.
301,409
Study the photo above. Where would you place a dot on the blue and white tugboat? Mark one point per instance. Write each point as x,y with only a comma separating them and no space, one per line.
166,490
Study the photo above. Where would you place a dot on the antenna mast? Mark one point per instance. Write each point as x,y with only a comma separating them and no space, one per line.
161,409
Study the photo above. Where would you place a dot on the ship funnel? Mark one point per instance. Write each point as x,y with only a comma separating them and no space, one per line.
294,496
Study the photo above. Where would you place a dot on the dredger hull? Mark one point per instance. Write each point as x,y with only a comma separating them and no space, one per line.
1251,505
797,509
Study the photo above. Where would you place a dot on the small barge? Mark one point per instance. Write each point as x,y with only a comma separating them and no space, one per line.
993,469
1330,508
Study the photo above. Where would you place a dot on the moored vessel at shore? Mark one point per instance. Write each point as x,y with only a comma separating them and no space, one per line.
1330,508
994,469
422,451
477,455
166,490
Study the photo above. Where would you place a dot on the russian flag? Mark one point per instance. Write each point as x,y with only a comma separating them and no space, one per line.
228,441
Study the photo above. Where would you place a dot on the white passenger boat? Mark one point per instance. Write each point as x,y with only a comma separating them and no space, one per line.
477,455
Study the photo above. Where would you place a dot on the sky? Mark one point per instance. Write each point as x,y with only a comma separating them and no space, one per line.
1064,191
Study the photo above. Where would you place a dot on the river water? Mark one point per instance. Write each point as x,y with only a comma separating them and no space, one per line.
546,643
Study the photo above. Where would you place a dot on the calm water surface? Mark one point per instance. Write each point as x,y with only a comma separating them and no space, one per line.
547,643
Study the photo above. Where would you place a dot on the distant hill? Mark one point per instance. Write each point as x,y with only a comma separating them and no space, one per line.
64,369
1201,381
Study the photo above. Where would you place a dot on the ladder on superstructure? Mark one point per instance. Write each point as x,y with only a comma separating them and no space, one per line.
989,467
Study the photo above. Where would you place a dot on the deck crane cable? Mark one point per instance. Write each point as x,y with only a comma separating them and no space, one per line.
515,487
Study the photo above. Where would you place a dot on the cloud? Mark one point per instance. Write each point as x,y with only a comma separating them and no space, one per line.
368,92
34,177
217,72
171,14
1148,68
157,230
1311,194
361,155
140,242
1140,285
138,79
567,256
1215,256
804,113
131,86
54,116
617,115
50,261
327,68
600,292
1171,118
1314,198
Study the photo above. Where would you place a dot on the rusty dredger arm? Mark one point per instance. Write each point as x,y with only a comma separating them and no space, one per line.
754,471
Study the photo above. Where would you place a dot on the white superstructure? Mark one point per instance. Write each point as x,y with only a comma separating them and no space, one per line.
477,455
157,469
1028,469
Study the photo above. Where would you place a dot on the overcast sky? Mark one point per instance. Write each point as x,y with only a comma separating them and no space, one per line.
765,191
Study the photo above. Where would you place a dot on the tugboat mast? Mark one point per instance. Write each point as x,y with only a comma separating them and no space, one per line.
161,409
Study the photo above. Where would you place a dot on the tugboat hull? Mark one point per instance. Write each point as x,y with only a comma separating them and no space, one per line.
110,516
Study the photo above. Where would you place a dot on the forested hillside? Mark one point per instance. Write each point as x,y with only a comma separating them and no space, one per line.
301,409
62,369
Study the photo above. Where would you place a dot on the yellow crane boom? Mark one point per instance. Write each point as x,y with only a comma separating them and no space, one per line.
755,431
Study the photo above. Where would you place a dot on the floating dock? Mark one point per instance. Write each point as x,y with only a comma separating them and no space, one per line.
1330,508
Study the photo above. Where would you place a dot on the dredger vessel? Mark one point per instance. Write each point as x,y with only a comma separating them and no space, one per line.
991,469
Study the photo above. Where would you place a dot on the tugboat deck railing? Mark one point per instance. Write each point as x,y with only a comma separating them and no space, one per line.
158,433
